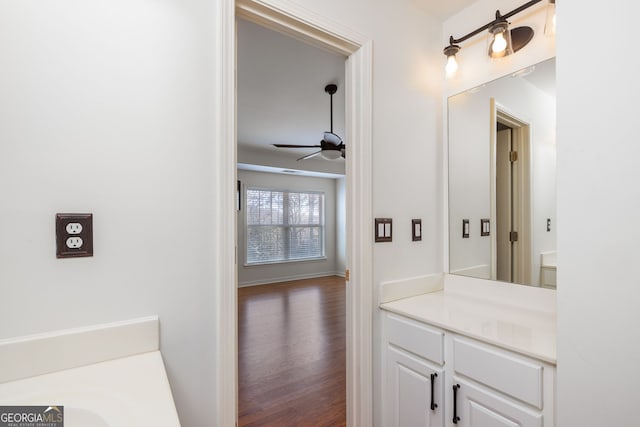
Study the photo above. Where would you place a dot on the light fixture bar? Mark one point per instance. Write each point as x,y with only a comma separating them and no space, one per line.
499,18
503,41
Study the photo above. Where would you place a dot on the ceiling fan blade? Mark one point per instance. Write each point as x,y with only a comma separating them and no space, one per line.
295,146
332,138
308,156
343,151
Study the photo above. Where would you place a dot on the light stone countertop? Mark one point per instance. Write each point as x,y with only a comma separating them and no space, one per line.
520,329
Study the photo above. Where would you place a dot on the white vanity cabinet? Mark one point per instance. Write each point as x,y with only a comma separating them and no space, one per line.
475,384
415,376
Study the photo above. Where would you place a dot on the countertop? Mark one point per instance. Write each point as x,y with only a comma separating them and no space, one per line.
526,331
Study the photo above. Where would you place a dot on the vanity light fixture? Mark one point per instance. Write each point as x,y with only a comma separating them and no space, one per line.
502,42
550,22
452,62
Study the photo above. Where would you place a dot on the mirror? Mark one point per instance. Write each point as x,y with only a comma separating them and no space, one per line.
502,179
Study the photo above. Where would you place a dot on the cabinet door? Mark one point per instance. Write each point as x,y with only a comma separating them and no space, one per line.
479,407
411,391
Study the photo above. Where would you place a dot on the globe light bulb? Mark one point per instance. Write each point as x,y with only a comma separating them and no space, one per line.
499,43
452,65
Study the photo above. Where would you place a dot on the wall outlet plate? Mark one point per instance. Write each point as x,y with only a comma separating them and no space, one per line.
74,235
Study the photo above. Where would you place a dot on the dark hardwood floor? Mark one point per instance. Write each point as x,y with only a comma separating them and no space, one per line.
292,353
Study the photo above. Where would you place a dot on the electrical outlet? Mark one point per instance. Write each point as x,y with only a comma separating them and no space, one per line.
74,228
74,235
74,242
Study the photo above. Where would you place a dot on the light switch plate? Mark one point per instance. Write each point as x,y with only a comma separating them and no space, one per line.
485,227
383,229
465,229
416,230
74,235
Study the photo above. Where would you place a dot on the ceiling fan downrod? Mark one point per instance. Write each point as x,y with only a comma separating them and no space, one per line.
331,89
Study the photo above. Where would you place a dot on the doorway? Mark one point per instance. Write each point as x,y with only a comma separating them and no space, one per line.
510,204
305,26
291,232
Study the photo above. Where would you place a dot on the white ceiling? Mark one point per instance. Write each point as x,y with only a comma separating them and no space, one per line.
281,97
281,82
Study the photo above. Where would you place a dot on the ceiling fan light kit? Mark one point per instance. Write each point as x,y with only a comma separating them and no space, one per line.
331,147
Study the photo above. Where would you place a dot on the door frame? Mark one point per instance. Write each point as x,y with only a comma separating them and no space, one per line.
319,31
521,139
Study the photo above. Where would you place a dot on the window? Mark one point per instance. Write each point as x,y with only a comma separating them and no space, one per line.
284,225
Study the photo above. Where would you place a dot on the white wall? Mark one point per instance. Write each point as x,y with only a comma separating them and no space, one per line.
270,273
598,210
469,168
105,107
341,222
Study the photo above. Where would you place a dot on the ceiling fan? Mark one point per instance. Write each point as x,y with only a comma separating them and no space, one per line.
331,147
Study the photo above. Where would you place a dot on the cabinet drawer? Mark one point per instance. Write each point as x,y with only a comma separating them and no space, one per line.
500,370
416,338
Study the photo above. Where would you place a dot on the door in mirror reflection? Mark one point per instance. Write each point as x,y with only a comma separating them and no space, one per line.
511,197
506,243
502,167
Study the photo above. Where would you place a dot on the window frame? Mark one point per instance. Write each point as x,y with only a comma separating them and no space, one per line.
285,225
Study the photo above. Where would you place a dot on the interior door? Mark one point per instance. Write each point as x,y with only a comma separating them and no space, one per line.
504,205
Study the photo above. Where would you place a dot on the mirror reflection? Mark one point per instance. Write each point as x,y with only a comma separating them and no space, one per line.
502,179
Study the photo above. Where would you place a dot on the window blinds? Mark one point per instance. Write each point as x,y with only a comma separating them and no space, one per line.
284,225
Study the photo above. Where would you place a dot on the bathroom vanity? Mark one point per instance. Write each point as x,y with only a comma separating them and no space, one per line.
476,353
479,348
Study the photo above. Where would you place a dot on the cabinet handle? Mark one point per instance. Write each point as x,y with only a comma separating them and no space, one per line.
433,380
456,418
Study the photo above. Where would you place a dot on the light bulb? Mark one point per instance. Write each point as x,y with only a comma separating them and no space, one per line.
452,65
550,22
499,43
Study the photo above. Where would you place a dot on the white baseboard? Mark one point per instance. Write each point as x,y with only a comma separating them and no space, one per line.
289,278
